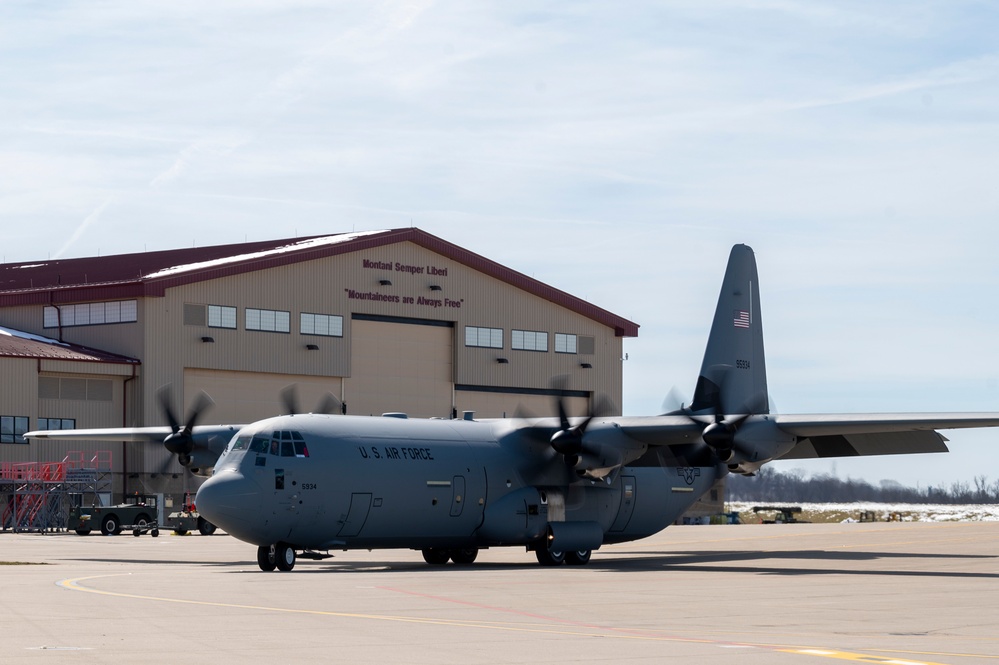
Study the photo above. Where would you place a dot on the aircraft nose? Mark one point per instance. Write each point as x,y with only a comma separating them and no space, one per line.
230,500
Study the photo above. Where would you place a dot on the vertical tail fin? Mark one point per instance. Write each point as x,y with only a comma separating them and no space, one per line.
733,378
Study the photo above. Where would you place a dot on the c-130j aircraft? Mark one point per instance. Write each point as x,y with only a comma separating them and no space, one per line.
561,487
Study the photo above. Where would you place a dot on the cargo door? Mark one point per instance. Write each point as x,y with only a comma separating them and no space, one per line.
624,513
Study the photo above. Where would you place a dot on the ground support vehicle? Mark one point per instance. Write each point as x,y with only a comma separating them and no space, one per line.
137,513
188,520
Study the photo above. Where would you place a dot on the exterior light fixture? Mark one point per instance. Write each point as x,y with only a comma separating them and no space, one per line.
385,282
312,347
435,287
208,339
586,365
502,361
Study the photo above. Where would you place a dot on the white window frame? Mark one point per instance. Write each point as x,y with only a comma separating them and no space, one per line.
324,325
529,340
267,320
566,343
482,337
222,316
90,313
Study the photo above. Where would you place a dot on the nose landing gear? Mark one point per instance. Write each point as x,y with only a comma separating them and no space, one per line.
280,556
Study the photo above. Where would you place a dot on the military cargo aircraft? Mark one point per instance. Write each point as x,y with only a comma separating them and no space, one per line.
305,484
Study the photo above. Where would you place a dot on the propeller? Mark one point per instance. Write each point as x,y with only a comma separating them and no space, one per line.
180,441
720,430
568,440
329,403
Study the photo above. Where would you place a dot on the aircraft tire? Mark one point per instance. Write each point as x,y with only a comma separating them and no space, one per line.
205,528
436,556
110,526
464,556
266,558
285,556
578,558
547,557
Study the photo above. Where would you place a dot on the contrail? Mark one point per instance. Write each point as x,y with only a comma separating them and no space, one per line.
90,219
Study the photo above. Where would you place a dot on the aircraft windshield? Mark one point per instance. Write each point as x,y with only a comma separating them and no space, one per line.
279,443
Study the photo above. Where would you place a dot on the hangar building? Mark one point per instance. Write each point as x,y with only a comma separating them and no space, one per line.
386,321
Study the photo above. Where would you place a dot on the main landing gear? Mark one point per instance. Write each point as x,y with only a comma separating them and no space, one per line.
547,557
438,556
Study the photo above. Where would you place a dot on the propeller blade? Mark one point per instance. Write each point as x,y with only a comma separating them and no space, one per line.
166,406
202,403
329,404
289,399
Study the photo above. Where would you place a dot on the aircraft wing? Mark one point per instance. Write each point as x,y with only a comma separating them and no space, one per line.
660,430
151,434
850,435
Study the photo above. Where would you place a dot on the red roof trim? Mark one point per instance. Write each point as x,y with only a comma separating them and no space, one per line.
117,286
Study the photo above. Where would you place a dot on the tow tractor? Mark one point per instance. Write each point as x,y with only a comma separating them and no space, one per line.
137,513
188,519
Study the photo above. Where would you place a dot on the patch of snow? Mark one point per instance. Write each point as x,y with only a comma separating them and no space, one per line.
293,247
909,512
10,332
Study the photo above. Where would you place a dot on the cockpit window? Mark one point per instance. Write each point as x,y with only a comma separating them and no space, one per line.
241,443
281,443
259,444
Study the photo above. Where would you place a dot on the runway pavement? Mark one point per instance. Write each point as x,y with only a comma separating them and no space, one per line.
754,594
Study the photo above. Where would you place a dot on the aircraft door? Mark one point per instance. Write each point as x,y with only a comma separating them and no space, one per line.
627,508
357,515
458,495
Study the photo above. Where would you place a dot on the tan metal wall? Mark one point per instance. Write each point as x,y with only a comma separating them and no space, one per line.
19,396
242,397
516,405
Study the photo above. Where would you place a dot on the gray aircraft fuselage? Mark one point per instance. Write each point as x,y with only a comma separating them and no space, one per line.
362,482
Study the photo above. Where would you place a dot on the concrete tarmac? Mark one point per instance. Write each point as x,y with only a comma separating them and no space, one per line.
754,594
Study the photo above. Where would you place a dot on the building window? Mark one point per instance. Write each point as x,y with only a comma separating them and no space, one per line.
528,340
491,338
221,316
329,325
12,429
91,390
268,320
565,343
90,314
56,423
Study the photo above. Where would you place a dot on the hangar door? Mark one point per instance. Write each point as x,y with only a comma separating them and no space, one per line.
243,397
397,365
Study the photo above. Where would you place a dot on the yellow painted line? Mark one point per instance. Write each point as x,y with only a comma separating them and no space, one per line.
75,584
855,657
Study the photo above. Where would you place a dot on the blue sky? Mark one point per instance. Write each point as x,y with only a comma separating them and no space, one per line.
613,150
